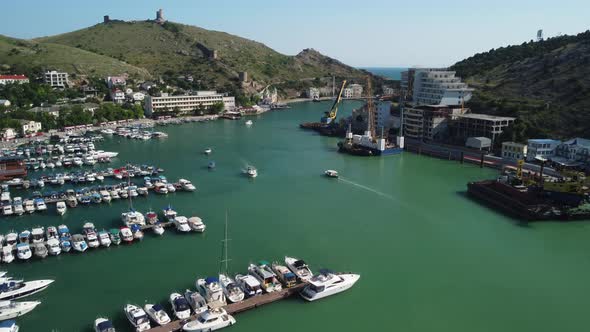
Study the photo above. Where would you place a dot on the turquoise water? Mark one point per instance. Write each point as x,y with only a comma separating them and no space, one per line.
430,259
393,73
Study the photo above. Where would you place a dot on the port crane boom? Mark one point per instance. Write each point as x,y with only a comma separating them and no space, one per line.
331,115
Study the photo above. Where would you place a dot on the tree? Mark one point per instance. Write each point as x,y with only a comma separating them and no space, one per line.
216,108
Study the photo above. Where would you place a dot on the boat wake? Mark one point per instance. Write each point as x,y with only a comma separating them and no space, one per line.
358,185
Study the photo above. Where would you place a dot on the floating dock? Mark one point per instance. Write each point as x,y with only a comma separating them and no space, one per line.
235,308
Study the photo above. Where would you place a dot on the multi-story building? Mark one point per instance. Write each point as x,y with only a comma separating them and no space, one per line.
29,127
117,95
188,103
356,90
12,79
429,122
513,151
433,86
56,79
313,93
481,125
541,149
575,150
383,118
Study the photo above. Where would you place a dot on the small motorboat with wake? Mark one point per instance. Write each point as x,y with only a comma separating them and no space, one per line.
331,173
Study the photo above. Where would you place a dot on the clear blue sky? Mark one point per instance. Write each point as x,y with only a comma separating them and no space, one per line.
359,33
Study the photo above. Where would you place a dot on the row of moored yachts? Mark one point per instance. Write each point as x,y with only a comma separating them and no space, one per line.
10,290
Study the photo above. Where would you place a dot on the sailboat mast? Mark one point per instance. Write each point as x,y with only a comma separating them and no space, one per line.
223,264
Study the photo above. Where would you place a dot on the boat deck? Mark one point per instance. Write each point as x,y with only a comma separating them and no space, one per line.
235,308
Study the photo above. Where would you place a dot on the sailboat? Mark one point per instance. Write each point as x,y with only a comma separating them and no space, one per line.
232,291
132,217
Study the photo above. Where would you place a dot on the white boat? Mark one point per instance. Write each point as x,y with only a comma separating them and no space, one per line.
17,206
53,247
208,151
7,209
211,290
171,188
40,204
61,208
266,277
250,171
114,194
137,317
249,123
186,185
126,234
196,301
107,131
250,285
103,325
210,320
40,250
232,291
106,197
7,256
143,191
285,276
89,232
169,213
100,154
299,267
157,313
78,161
104,238
158,229
16,289
331,173
29,205
180,306
181,224
11,239
78,243
133,217
23,251
37,235
161,188
196,224
328,283
51,233
10,309
89,160
8,326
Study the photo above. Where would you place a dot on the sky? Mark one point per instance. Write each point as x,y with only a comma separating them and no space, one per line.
366,33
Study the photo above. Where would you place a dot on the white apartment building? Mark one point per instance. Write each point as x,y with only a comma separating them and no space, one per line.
117,95
56,79
433,86
188,103
313,93
541,148
513,151
29,127
10,79
8,134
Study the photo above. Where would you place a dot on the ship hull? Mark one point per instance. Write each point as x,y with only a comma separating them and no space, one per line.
358,150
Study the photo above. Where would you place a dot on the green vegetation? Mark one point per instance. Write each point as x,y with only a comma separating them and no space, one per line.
545,84
34,94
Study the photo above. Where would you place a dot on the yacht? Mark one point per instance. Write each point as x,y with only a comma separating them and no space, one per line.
7,256
250,285
10,309
126,234
104,238
299,267
53,247
250,171
63,231
7,209
211,290
210,320
160,188
51,233
331,173
89,232
186,185
208,151
132,191
17,206
23,251
180,306
24,236
61,208
137,317
115,236
152,217
232,291
40,250
196,301
169,213
328,283
40,204
37,235
106,197
8,326
157,313
170,187
181,224
103,325
133,217
78,243
266,277
11,239
196,224
285,276
16,289
29,205
158,229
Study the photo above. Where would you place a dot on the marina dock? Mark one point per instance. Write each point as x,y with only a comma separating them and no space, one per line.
235,308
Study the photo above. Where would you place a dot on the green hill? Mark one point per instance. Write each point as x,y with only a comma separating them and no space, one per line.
546,84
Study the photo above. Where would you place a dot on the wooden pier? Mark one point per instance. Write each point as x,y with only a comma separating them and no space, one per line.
235,308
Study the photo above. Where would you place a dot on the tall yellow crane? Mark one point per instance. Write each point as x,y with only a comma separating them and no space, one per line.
331,115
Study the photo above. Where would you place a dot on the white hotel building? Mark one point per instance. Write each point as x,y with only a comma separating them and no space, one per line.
432,86
188,103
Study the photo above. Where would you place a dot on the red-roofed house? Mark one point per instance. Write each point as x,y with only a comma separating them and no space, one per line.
8,79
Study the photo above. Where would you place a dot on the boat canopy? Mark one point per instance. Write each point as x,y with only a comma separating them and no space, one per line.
7,323
157,307
289,275
135,228
22,245
299,263
210,280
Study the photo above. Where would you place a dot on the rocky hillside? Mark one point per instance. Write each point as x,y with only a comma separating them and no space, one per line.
546,84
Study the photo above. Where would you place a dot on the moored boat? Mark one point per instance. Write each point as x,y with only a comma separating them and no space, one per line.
126,234
211,290
78,243
181,224
180,306
61,208
250,285
157,313
196,224
265,276
285,276
137,317
299,267
196,301
115,236
16,289
210,320
328,283
10,309
103,325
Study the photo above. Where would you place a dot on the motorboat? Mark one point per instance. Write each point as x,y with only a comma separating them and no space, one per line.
51,233
211,290
40,250
132,191
8,326
143,191
151,217
196,224
249,123
71,201
171,188
40,204
23,251
77,161
285,276
161,188
103,325
37,235
124,194
250,171
104,239
89,232
211,164
61,208
78,243
114,194
133,217
115,236
53,247
29,205
126,234
169,213
299,267
196,301
16,289
17,206
24,236
7,209
158,229
181,224
186,185
10,309
328,283
157,313
265,275
137,317
63,231
208,151
331,173
180,306
7,256
106,197
250,285
137,232
210,320
11,239
232,291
